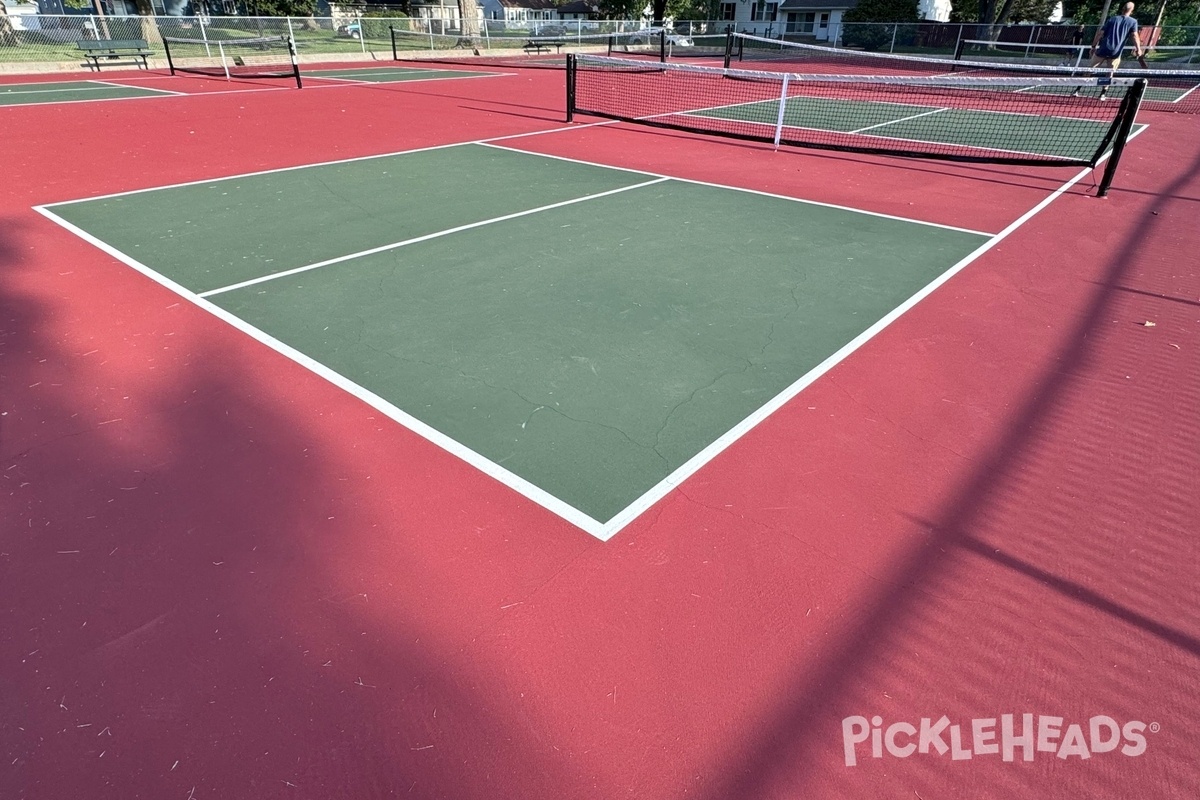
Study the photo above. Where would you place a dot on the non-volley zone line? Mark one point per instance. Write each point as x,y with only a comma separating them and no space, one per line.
427,237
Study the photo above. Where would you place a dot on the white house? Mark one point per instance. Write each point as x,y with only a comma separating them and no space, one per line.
818,19
519,10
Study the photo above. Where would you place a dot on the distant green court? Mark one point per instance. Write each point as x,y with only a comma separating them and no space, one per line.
394,74
1066,138
580,332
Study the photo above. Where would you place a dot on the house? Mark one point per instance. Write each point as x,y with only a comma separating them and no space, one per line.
520,10
799,19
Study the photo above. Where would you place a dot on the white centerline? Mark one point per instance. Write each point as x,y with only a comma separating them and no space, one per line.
394,245
902,119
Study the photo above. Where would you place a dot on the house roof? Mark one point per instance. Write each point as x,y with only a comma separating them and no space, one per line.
817,5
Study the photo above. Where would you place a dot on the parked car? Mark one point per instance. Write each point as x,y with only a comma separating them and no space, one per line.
352,30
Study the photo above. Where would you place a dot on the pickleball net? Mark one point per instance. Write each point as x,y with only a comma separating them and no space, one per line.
1045,122
1168,89
251,57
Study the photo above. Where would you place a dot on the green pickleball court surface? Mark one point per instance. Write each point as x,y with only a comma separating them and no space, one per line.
393,74
1065,138
590,349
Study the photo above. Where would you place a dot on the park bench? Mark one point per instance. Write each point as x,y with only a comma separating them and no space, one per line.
540,46
111,49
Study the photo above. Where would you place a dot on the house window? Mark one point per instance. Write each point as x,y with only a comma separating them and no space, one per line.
764,12
729,11
800,23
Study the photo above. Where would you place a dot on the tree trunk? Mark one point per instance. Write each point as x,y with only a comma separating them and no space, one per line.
658,9
149,24
469,11
8,36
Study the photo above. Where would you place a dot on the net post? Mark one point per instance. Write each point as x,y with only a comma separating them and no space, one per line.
728,47
1130,105
662,46
291,43
571,67
170,63
959,45
224,61
783,93
392,33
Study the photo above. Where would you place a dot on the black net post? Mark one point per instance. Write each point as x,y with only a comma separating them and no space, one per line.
1129,109
170,63
662,46
291,43
570,87
392,33
728,47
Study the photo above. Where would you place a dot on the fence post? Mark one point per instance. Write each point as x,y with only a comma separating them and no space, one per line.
204,36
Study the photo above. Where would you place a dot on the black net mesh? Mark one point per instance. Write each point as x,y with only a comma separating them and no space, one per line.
1007,120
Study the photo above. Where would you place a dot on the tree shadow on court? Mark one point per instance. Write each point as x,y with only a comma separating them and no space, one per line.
1029,574
223,578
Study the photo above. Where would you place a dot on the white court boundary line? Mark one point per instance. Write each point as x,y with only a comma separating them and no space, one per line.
693,465
600,530
488,467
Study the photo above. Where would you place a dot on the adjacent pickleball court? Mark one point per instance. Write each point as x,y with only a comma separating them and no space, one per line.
15,94
580,332
394,74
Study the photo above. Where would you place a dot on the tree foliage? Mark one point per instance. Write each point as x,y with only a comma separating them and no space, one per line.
693,9
280,8
621,9
1002,12
883,11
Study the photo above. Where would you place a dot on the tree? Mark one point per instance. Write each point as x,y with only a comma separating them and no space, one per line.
884,16
621,9
883,11
693,9
468,10
8,36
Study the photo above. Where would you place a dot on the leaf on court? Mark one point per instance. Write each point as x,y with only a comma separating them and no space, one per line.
1148,324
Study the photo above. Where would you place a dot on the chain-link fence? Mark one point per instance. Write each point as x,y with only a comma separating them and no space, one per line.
47,38
933,38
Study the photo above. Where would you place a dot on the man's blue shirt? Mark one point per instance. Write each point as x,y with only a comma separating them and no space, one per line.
1116,32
